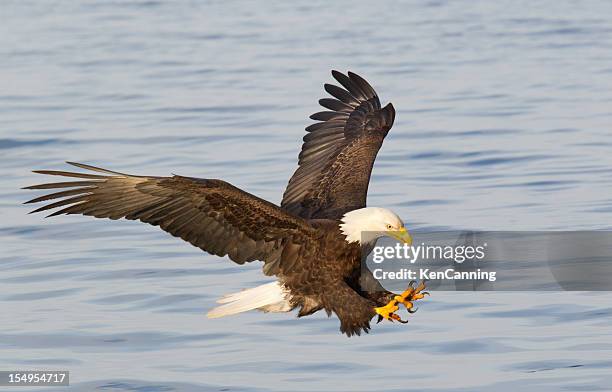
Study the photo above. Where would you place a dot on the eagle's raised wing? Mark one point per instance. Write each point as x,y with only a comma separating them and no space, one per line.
210,214
339,151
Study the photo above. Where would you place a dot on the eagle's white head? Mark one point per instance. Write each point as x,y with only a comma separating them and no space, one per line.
366,225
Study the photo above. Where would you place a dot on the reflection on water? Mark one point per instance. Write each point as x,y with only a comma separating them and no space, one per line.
503,124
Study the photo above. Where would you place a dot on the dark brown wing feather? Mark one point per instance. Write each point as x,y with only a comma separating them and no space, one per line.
339,151
210,214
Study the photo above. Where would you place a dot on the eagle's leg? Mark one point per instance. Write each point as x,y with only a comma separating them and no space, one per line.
406,298
412,294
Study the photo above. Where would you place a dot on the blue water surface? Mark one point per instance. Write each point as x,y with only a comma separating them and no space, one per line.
504,115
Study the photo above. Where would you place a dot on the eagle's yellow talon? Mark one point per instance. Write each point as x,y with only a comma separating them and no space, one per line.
387,312
412,294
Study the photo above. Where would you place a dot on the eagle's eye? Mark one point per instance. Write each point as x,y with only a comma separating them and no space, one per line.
389,227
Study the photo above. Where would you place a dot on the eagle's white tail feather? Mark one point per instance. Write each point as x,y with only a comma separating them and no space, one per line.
268,297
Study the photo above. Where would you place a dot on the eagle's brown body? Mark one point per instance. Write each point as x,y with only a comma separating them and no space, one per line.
300,242
338,282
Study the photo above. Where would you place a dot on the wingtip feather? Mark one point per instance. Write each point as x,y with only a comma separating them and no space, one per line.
94,168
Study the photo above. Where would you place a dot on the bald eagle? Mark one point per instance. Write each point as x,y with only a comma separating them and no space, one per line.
312,243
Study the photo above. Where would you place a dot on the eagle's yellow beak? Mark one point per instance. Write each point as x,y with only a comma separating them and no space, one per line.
401,235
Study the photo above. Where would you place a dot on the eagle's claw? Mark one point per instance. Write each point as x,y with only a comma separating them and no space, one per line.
412,294
406,298
387,312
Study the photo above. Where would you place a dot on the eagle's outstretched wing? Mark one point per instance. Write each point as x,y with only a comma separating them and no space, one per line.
339,151
210,214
